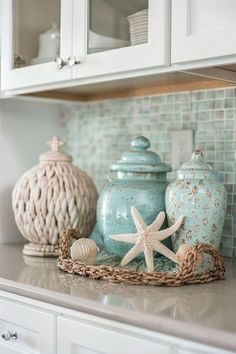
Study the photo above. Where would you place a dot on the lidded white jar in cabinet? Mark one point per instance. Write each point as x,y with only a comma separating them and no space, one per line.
51,197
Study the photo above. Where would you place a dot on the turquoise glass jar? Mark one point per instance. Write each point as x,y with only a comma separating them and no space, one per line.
201,199
141,182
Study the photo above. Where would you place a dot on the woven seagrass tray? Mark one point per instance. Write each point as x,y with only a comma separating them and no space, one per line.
186,273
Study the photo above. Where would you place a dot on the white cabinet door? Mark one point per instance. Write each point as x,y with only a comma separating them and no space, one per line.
34,33
35,330
83,337
98,22
203,29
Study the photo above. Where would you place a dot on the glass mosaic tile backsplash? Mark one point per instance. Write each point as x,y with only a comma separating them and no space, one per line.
99,132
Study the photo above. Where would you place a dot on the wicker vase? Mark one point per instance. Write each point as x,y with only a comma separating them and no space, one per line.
51,197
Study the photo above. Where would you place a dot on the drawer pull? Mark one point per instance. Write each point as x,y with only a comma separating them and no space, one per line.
9,335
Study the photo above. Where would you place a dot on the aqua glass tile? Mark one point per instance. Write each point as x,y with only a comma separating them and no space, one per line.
229,146
210,156
219,94
211,94
158,99
229,166
229,156
219,146
229,114
212,115
218,124
227,252
219,135
227,241
229,135
229,124
229,93
200,136
219,166
220,104
229,103
230,199
194,106
229,178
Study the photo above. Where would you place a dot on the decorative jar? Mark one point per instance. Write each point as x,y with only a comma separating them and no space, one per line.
201,199
51,197
141,182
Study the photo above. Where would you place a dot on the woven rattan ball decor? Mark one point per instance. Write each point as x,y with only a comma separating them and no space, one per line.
185,275
51,197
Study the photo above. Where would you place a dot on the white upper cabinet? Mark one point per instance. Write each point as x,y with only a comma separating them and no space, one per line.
203,29
94,38
34,33
112,37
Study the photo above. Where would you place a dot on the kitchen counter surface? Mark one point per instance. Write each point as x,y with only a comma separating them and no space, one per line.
204,313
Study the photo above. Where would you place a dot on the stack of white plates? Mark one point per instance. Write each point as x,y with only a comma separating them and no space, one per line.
138,23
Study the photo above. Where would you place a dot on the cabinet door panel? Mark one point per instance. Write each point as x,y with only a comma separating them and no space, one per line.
79,337
34,34
94,35
6,349
35,329
202,29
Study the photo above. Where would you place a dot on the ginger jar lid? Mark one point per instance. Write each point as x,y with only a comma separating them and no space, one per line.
140,159
196,167
55,155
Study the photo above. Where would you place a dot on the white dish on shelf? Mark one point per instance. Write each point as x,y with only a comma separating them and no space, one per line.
98,41
38,60
138,20
139,34
140,41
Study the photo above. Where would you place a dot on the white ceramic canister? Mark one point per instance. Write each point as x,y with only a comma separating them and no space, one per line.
49,43
51,197
197,195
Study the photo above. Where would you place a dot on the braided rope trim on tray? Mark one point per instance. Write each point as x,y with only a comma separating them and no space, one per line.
184,276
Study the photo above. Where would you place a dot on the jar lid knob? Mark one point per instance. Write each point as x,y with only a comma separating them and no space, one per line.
55,143
197,155
140,143
55,155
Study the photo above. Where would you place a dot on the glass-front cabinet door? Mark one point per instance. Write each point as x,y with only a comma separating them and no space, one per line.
36,42
111,37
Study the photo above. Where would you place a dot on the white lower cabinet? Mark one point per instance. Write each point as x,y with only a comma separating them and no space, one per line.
32,327
82,337
26,330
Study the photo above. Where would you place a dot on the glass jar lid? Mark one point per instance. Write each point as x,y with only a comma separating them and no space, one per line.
140,159
55,155
196,167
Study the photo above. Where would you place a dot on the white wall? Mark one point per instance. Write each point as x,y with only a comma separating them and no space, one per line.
24,129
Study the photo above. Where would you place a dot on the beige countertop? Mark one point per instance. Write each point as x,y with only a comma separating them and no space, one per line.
204,313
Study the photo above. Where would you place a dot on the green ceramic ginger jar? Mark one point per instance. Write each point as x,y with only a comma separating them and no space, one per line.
141,182
201,199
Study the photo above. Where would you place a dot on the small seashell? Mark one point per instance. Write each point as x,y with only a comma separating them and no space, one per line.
84,250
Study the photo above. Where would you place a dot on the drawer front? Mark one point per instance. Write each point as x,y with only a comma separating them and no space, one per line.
35,329
82,337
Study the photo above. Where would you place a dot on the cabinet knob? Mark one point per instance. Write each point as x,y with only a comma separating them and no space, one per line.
60,62
9,335
73,61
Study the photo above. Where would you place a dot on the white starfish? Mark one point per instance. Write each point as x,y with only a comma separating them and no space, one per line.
148,239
